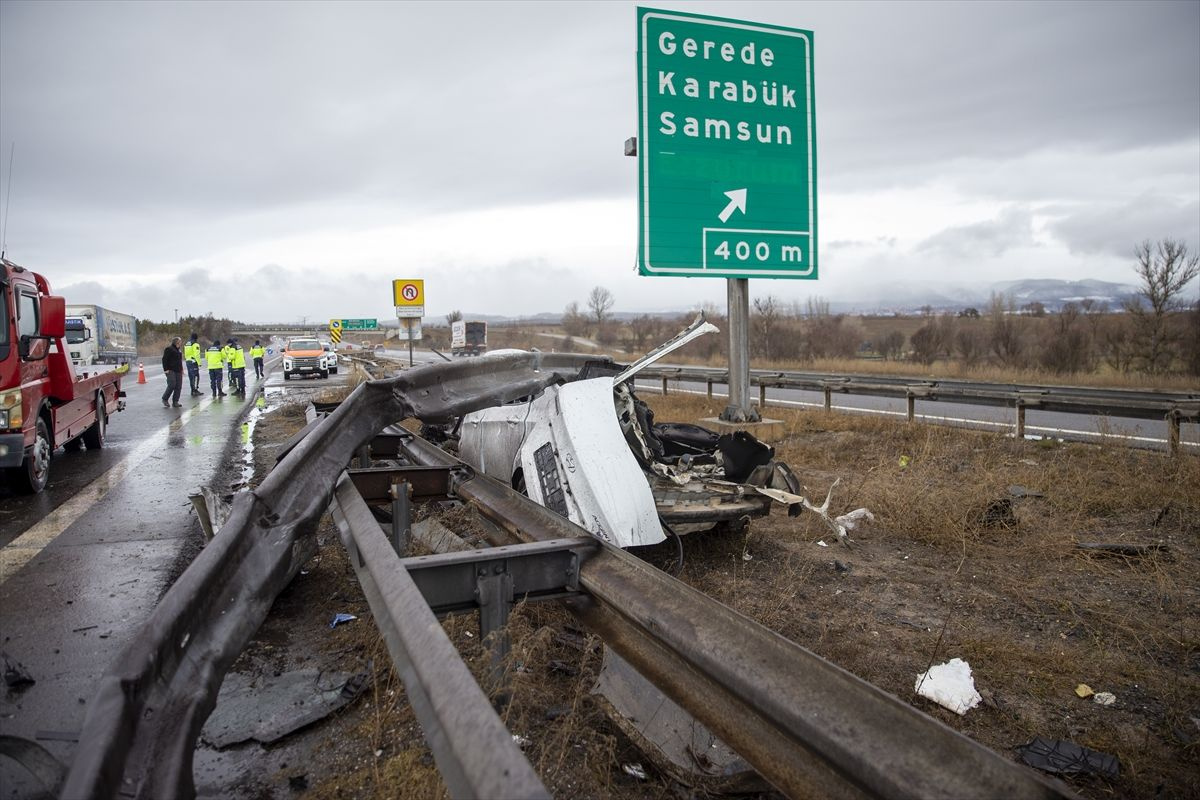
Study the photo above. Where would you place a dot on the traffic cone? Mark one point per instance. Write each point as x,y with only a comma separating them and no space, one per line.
141,373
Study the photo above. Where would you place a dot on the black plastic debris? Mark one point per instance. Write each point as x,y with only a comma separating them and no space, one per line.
1068,758
15,674
998,514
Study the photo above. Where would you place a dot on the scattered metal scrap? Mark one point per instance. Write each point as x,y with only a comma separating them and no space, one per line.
267,709
807,726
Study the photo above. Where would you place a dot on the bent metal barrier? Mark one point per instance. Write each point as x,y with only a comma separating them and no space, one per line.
808,726
1172,407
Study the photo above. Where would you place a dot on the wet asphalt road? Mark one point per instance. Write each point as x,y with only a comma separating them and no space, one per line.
83,564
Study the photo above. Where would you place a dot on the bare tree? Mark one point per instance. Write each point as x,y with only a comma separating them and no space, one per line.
1165,271
1067,348
1007,342
891,345
599,302
969,346
574,322
642,329
765,324
453,317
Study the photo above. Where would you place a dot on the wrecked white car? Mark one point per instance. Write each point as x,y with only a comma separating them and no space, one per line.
590,450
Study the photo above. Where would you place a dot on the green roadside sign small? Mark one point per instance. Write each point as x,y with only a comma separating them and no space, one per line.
727,184
359,324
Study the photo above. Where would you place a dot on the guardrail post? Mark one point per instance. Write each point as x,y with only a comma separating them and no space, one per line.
708,385
1020,429
664,385
762,395
401,493
1173,431
912,406
494,586
828,399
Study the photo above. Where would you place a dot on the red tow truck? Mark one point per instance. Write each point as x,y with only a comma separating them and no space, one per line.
43,405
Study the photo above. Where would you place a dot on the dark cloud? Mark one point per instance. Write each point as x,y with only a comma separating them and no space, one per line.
1013,228
171,133
1114,229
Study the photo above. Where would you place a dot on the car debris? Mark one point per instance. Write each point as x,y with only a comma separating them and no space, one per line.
338,619
1061,756
589,449
269,708
950,685
16,676
670,738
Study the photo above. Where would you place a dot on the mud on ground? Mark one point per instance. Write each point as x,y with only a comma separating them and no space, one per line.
955,565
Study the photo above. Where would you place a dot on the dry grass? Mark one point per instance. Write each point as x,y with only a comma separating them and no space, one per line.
934,578
1006,589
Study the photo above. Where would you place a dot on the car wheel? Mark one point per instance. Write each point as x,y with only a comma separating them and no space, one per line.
34,472
324,373
287,376
93,437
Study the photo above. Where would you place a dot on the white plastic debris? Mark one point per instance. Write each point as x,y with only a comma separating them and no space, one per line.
949,685
849,521
1104,698
821,543
520,741
634,770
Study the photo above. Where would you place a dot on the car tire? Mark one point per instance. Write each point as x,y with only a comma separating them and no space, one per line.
324,373
93,437
287,376
33,474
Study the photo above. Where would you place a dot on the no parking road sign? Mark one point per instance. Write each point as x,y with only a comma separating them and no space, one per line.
409,297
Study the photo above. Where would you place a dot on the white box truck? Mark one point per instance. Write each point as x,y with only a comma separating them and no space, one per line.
468,338
97,335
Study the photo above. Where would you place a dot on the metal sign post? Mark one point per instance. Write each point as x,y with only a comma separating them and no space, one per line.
727,169
739,408
409,296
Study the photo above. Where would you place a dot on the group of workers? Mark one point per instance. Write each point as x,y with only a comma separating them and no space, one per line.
217,359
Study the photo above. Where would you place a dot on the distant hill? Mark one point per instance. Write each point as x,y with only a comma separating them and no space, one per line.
900,298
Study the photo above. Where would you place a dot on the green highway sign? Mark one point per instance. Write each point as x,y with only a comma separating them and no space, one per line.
727,163
359,324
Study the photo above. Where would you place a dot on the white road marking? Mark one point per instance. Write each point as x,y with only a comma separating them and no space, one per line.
20,550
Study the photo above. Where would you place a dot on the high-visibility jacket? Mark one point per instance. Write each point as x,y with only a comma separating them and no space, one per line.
191,352
227,353
257,352
237,358
214,358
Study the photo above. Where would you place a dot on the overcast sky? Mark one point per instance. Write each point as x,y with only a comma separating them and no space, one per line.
273,161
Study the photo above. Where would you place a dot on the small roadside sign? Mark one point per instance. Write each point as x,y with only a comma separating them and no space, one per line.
409,297
335,330
359,324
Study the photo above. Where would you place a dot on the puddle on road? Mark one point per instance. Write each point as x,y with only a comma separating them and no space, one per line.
262,406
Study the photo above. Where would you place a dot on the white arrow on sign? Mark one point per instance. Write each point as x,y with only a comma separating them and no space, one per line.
737,201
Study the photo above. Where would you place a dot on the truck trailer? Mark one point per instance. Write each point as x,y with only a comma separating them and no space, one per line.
97,335
468,338
43,405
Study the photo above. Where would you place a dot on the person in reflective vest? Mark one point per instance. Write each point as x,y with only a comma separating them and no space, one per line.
214,358
227,352
237,363
257,353
191,359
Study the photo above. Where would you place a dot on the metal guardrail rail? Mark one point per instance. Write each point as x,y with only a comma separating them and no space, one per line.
809,727
1170,406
